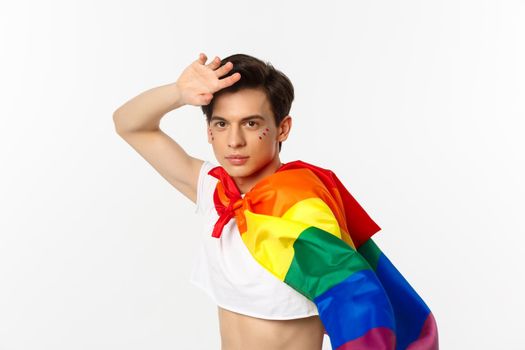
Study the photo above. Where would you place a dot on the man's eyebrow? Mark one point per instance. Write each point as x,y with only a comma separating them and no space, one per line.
254,116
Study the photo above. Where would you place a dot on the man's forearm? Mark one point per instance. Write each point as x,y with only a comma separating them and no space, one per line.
144,111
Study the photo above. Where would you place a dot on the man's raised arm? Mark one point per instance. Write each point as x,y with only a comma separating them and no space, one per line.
137,121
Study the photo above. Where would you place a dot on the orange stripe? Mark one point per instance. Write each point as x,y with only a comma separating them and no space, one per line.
293,186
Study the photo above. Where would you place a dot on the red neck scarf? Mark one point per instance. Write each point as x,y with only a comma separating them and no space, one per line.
228,186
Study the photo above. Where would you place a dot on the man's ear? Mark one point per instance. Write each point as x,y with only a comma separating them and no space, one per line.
284,128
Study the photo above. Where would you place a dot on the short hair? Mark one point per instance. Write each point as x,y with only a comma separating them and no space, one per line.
257,74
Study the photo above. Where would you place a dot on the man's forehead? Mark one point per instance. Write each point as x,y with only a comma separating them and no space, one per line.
241,105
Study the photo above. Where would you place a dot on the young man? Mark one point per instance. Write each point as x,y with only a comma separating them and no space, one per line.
247,120
287,251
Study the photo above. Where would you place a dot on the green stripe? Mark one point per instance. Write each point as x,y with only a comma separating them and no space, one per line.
371,252
321,260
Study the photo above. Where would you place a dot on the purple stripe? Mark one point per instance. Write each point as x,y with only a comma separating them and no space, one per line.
428,339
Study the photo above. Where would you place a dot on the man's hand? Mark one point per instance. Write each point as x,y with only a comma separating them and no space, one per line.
199,81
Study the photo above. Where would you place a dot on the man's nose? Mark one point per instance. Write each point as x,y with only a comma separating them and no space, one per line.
235,137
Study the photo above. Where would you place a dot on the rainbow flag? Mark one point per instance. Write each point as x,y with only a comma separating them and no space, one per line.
304,227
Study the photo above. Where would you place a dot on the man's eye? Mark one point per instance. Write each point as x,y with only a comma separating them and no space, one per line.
216,124
254,123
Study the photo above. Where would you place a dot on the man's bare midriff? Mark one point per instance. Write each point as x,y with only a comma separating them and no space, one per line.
245,332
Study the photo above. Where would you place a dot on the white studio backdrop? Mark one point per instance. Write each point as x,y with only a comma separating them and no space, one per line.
417,106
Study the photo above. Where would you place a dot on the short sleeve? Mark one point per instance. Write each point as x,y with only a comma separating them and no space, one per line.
205,188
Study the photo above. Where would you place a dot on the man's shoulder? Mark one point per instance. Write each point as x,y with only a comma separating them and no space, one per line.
207,165
299,164
323,174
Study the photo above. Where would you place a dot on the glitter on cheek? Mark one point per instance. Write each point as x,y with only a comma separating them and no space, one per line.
264,133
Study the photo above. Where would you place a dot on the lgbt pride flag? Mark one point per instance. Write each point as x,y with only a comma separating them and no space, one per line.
304,227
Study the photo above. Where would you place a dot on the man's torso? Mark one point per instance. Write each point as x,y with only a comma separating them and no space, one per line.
240,331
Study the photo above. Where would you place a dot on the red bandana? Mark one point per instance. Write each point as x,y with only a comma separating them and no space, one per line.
233,193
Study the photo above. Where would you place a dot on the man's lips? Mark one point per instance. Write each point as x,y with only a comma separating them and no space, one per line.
236,157
237,160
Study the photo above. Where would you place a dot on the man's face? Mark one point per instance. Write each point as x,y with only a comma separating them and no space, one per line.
242,124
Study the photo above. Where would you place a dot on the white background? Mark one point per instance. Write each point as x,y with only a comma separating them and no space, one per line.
417,106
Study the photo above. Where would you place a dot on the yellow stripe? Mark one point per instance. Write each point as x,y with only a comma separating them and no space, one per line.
314,212
270,239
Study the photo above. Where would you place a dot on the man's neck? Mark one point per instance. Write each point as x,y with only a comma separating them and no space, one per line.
245,184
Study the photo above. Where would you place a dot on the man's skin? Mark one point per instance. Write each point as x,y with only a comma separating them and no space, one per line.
137,122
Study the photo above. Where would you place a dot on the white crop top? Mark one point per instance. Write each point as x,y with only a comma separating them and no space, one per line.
230,275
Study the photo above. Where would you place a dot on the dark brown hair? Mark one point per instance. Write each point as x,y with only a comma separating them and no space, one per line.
262,75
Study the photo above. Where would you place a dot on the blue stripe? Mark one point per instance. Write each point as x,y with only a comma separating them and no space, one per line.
409,309
354,306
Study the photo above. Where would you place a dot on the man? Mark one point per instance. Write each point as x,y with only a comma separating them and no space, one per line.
246,102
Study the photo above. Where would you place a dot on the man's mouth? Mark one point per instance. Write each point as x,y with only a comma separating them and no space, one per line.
236,156
237,159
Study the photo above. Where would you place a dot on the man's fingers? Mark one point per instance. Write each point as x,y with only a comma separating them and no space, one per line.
216,62
224,69
202,58
232,79
219,70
